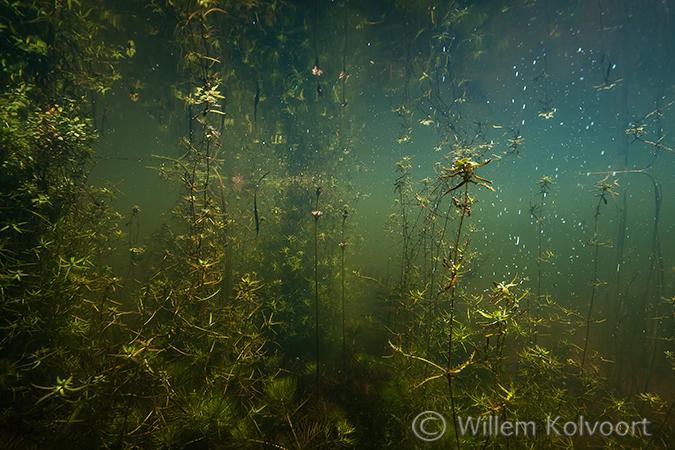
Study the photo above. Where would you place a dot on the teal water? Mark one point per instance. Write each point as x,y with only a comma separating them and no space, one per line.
209,312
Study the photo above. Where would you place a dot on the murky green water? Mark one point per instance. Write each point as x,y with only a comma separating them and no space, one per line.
297,225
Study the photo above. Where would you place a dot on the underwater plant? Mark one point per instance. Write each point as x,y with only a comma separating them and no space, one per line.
229,319
317,213
462,173
604,191
537,211
343,244
403,185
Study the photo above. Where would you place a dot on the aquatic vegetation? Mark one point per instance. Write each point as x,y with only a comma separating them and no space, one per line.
343,244
255,204
545,184
212,312
604,191
317,213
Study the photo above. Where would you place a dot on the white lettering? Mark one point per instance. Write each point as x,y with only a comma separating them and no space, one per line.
463,427
552,426
644,423
591,431
621,426
574,430
506,429
492,426
524,426
602,427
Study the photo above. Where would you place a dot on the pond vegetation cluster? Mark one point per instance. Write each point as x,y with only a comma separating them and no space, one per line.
249,318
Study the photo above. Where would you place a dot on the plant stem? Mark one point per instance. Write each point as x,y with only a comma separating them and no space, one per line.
317,214
456,260
343,244
227,279
316,296
344,351
540,221
595,282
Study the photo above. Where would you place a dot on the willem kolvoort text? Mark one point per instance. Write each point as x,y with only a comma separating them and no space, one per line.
554,426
